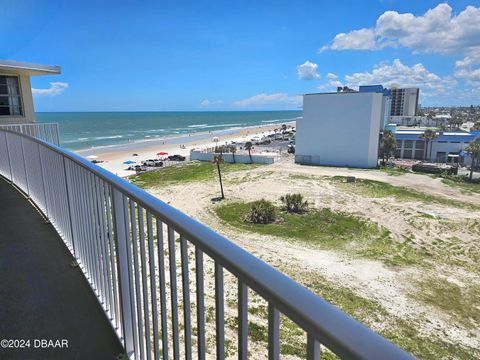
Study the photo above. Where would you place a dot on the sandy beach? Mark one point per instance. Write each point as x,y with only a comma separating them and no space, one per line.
113,157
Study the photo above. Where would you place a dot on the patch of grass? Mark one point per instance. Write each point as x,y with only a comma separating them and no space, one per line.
328,229
464,185
459,302
396,171
190,171
379,189
323,227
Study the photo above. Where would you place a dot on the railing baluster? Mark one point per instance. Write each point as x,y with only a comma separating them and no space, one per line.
273,332
219,311
136,272
146,312
129,260
242,320
173,291
161,280
120,219
313,348
200,303
153,286
186,298
112,250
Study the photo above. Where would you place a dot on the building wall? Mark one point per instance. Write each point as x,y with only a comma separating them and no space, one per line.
415,149
228,157
27,102
339,129
404,101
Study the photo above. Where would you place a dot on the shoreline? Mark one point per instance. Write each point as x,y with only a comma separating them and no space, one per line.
113,156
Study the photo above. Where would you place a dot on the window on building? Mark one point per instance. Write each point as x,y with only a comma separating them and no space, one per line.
408,144
419,154
10,97
407,154
419,144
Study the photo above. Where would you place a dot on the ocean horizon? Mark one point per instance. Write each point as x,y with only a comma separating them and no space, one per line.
82,130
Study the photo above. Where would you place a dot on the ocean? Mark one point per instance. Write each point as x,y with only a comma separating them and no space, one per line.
82,130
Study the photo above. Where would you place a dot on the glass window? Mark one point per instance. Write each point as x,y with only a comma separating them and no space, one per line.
419,144
10,98
408,144
407,154
418,154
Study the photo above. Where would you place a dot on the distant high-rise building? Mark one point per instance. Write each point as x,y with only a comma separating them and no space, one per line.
404,101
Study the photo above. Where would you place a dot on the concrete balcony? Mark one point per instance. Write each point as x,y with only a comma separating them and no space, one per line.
42,296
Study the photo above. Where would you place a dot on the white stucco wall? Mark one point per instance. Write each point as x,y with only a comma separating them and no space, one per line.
339,129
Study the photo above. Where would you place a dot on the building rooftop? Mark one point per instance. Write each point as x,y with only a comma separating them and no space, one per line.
28,68
455,136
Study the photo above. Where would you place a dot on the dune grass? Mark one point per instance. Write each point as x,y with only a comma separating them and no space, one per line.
469,188
190,171
403,333
379,189
461,303
330,230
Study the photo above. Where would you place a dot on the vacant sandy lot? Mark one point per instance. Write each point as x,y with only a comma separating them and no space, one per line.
437,228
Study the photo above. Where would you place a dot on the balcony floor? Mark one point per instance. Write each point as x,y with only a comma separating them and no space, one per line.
41,295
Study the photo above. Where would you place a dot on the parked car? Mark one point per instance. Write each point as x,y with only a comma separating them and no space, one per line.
176,158
139,168
153,162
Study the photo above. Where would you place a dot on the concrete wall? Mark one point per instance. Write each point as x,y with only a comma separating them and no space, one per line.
339,129
27,101
243,159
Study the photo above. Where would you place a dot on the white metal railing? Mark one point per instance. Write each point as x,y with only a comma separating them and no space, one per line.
44,131
123,238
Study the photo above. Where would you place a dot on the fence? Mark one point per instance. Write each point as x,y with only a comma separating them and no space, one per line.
44,131
228,157
123,238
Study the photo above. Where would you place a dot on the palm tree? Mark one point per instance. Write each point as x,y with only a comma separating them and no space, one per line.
218,159
474,149
248,147
284,128
388,144
233,149
428,136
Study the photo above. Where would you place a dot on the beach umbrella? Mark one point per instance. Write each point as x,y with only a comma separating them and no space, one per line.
128,162
161,153
92,157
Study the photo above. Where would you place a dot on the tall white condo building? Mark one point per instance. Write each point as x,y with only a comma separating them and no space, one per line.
340,129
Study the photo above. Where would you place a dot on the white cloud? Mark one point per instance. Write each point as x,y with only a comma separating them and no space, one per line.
307,71
363,39
436,31
280,100
469,68
208,103
332,82
56,88
405,76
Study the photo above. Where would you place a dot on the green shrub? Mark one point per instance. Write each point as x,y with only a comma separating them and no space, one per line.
261,212
294,203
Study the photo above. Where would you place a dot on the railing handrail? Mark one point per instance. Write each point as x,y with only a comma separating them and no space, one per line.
336,330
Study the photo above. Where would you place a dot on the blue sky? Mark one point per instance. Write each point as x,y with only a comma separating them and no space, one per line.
258,55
